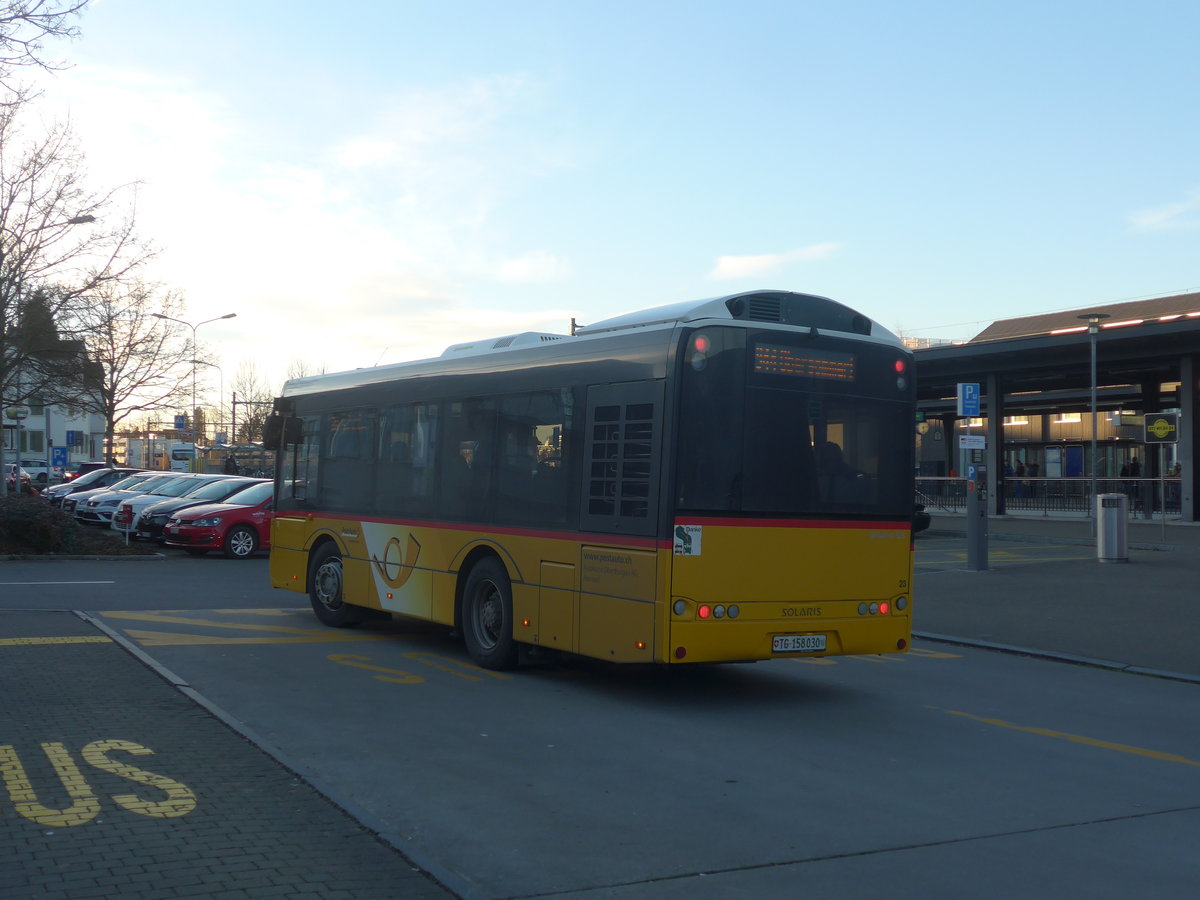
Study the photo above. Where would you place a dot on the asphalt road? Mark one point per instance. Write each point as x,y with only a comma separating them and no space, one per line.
946,772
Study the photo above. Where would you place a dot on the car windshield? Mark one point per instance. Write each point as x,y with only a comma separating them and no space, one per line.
153,482
175,487
252,496
219,490
126,483
91,477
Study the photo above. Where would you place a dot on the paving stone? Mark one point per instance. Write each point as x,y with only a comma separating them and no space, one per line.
117,784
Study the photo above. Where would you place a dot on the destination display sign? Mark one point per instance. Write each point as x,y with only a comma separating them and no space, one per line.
775,359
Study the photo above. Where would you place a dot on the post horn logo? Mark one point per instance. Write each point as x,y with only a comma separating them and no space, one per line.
403,568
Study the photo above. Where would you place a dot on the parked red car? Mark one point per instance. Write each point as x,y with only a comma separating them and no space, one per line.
239,526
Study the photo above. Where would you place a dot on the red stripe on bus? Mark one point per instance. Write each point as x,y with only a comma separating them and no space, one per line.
581,537
796,523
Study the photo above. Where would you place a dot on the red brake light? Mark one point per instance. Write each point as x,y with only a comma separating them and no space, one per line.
702,343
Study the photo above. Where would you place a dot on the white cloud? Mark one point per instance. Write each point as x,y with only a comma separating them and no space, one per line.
341,247
536,267
730,267
1183,214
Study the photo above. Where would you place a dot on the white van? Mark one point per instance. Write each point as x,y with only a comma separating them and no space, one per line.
41,471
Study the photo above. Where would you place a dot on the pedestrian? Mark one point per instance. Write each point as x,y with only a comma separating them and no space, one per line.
231,465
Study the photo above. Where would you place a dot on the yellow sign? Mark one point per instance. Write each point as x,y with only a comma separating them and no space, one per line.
1162,428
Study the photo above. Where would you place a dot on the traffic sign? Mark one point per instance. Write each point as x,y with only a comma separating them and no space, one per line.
968,400
1161,428
58,457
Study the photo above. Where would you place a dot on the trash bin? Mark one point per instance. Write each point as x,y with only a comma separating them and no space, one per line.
1112,511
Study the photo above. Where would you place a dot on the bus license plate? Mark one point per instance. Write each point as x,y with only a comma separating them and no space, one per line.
797,643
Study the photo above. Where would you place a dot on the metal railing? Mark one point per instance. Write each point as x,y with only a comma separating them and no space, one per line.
1147,496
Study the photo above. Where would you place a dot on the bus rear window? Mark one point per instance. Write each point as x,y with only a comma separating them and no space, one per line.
784,431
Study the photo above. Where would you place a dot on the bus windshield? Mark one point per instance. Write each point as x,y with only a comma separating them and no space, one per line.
779,424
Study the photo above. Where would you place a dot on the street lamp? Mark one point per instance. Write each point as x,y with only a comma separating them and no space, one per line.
1093,327
220,396
194,327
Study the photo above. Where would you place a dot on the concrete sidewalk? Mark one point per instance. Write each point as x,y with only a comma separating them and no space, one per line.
1138,616
119,785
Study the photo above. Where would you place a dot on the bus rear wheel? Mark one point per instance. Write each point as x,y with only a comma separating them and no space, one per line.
325,590
487,615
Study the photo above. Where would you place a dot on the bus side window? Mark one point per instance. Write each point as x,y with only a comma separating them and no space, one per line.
531,486
467,458
300,467
404,462
347,481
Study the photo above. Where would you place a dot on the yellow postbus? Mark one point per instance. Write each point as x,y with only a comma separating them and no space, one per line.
721,480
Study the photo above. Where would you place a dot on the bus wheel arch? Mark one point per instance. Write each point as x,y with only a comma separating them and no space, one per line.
484,610
325,587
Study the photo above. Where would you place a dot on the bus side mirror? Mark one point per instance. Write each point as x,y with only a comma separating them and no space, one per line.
281,431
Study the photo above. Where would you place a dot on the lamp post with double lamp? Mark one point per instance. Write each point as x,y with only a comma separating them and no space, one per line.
195,435
1093,327
220,396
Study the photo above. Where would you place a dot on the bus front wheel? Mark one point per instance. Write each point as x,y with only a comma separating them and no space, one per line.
325,590
487,615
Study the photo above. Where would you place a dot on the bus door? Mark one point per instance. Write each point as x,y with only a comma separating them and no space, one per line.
619,504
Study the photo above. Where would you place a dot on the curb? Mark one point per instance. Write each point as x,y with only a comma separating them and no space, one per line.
57,557
1059,657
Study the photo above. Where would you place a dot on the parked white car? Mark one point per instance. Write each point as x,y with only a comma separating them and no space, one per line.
125,518
41,471
96,507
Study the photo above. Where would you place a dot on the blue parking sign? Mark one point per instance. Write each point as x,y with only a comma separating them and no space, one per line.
968,400
58,457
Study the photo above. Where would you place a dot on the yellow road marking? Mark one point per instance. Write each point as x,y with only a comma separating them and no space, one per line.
431,659
1077,738
932,654
164,618
395,676
21,642
177,639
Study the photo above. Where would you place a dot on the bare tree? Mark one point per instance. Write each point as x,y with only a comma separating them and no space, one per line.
24,25
254,399
137,363
302,368
60,241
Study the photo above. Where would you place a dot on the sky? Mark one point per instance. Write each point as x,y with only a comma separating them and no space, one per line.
371,183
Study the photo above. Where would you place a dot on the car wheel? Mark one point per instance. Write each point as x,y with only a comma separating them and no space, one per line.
325,590
241,542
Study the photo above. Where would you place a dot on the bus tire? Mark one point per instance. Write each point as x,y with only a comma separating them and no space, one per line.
487,615
325,590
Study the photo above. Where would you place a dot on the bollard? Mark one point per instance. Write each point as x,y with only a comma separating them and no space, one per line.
1112,511
977,526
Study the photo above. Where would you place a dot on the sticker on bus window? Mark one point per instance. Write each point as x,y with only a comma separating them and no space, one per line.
687,540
